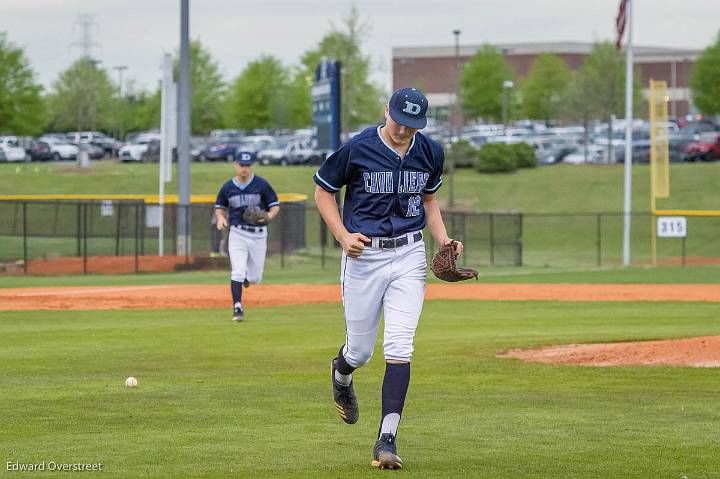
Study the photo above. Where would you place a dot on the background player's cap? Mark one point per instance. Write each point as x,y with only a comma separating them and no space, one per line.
408,107
245,157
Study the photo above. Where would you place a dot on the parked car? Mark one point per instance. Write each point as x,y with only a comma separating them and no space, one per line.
61,149
223,148
197,146
697,128
95,152
136,149
152,153
707,148
257,143
548,154
40,151
108,144
12,149
288,151
595,154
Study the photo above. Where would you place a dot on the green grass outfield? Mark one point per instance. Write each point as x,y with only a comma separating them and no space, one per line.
216,399
555,189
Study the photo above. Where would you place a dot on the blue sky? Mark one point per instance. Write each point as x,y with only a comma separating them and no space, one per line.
136,33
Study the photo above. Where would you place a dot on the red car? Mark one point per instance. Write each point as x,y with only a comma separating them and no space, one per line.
707,148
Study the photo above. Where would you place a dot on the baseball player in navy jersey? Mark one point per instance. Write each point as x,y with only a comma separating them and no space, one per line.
391,176
247,243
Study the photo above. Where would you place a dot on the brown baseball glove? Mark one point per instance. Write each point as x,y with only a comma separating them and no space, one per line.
254,215
444,267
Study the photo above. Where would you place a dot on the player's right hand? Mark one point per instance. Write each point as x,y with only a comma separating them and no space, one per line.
353,244
221,223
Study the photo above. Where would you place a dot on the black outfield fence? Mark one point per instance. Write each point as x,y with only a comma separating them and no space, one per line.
35,235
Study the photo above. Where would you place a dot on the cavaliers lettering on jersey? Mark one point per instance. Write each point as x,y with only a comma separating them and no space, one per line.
235,197
384,194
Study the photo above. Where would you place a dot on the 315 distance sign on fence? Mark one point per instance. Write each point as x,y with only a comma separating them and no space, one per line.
672,227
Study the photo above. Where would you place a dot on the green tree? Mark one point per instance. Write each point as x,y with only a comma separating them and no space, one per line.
603,85
82,98
544,87
481,83
705,80
258,96
137,110
575,107
361,101
207,90
299,97
22,110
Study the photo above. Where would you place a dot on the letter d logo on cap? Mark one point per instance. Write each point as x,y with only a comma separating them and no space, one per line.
412,108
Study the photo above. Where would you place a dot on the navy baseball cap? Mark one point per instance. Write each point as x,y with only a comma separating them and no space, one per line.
245,157
408,107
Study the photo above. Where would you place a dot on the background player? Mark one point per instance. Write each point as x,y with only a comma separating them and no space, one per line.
391,174
247,243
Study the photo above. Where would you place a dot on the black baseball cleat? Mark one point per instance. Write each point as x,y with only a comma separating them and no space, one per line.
385,453
345,399
238,314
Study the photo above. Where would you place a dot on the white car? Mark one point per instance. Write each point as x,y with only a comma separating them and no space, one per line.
287,152
12,149
60,149
596,154
257,143
135,150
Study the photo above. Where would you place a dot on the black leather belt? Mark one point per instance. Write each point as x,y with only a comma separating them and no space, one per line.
390,243
252,229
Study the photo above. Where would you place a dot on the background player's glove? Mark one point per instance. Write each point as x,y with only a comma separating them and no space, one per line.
444,267
254,215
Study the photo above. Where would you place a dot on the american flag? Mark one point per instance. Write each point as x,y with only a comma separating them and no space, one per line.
620,23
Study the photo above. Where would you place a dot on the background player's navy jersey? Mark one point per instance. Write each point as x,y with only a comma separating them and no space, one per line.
235,198
384,195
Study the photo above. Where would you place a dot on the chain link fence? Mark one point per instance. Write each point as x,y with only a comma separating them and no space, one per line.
37,237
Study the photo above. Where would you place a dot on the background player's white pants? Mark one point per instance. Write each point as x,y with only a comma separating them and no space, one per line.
247,254
388,280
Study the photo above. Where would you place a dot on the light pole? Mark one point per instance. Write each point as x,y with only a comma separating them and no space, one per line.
183,134
507,84
454,126
120,69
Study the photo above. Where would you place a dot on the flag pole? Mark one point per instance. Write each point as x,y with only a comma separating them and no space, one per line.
627,206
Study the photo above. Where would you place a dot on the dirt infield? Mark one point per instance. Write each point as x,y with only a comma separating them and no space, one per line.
218,296
155,264
703,352
698,352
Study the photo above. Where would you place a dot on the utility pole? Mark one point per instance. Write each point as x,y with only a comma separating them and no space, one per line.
507,84
86,42
454,123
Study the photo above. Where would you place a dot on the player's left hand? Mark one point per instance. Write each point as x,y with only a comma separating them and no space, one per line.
458,246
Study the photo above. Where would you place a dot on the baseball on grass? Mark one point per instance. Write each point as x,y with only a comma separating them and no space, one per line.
131,382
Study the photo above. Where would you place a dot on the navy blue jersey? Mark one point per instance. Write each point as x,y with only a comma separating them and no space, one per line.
235,197
384,194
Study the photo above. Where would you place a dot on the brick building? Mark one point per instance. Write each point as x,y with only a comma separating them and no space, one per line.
433,69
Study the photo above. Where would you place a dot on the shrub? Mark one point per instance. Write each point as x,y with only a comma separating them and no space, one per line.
524,155
462,153
496,158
